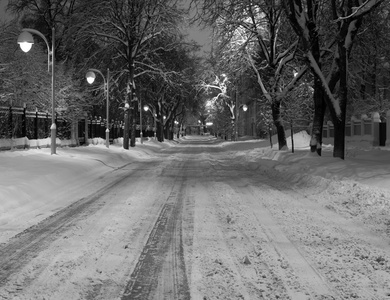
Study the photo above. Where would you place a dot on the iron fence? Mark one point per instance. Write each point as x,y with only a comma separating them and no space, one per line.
17,122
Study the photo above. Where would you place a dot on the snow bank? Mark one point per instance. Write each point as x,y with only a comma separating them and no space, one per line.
25,143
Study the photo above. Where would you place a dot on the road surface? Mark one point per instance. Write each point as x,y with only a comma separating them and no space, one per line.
196,223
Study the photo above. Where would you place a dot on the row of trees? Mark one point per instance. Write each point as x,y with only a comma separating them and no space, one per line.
338,47
281,47
140,41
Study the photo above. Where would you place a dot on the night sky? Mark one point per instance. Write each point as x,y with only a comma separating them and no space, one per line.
202,37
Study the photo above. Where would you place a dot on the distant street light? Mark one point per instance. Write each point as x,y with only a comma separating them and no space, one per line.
25,41
244,108
146,108
91,78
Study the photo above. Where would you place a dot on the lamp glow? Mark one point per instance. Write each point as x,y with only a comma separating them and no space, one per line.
90,77
244,107
25,46
25,41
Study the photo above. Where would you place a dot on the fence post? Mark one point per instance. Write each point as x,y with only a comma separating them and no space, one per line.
388,128
10,123
86,130
93,122
36,124
90,127
375,119
24,129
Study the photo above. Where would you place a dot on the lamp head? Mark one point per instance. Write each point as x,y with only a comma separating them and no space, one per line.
25,41
90,77
244,107
146,108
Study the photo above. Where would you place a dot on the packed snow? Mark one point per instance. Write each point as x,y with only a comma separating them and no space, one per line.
35,184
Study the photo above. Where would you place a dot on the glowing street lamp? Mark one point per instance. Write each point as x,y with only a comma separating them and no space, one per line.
146,108
26,40
244,108
91,78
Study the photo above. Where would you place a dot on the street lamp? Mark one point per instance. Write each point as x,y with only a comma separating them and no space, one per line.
91,78
26,40
146,108
244,108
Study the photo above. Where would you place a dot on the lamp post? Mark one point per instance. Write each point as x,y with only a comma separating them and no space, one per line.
26,40
91,78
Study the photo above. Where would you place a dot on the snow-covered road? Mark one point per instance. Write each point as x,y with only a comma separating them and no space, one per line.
197,221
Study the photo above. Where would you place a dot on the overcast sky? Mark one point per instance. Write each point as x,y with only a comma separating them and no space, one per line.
3,4
202,37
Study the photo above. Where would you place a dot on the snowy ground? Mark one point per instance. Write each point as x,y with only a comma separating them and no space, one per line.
35,184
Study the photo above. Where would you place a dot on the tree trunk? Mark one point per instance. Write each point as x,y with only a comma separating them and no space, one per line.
270,136
126,131
160,123
292,137
160,133
133,107
132,123
172,131
276,114
339,139
318,118
339,123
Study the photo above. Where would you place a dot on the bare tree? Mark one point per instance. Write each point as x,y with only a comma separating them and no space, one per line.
132,31
253,34
369,70
347,16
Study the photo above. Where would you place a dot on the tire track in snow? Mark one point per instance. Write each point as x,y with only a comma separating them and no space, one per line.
160,272
275,241
287,250
26,245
